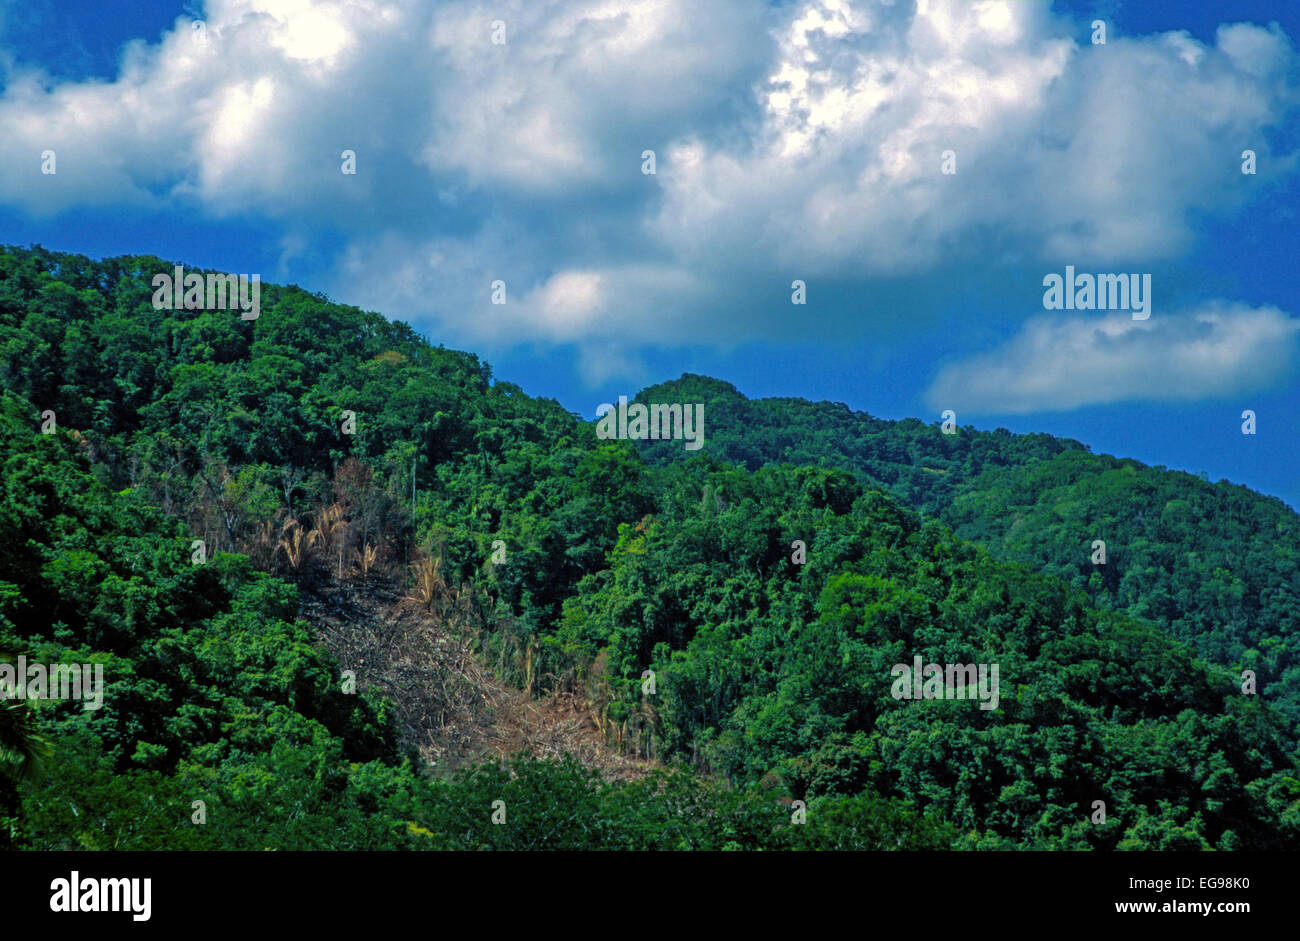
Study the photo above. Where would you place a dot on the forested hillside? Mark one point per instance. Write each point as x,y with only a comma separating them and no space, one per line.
1214,564
320,449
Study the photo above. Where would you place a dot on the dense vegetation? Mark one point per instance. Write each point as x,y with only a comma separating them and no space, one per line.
291,446
1216,565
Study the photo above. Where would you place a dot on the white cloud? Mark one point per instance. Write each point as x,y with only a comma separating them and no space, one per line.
1062,148
255,117
1057,364
797,141
581,87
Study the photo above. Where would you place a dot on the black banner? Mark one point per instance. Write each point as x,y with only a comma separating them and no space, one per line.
173,891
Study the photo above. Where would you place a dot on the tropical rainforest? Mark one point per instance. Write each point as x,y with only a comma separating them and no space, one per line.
351,591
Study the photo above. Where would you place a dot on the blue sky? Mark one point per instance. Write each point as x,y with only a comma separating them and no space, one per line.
798,140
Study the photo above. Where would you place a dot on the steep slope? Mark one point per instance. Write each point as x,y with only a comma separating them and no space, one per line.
444,700
222,727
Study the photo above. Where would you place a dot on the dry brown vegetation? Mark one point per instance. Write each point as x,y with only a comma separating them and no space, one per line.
447,704
418,646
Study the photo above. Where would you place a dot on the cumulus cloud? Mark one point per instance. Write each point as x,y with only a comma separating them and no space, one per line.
802,140
581,88
1062,149
1057,364
251,112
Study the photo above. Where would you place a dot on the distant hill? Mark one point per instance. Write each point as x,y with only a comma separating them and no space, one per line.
907,458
